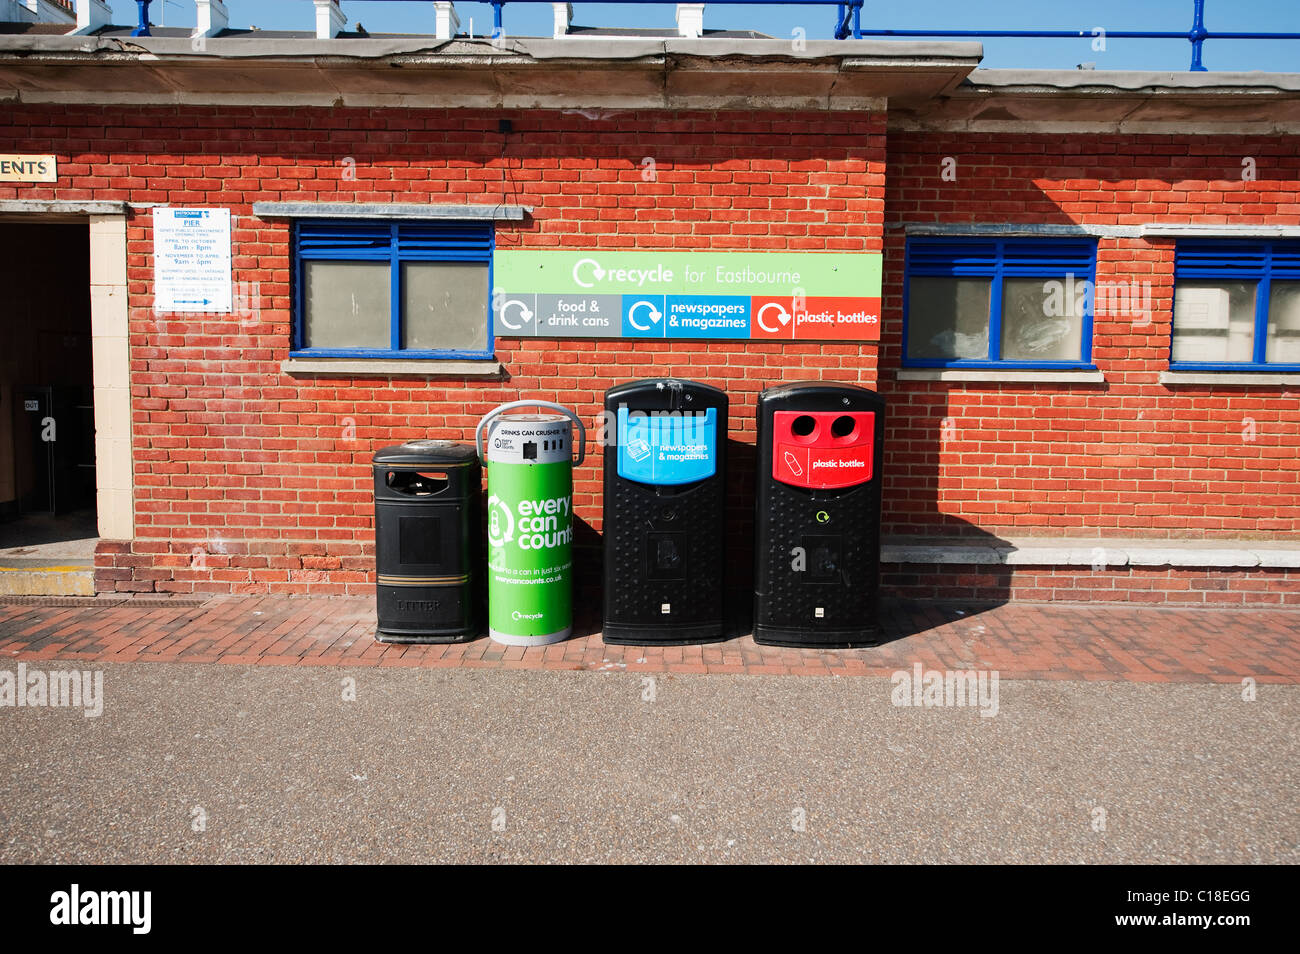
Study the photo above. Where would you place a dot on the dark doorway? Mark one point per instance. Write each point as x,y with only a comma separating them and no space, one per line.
47,419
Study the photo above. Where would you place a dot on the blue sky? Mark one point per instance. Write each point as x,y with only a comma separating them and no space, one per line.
534,19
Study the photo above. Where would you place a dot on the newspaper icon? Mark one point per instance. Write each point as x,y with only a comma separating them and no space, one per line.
638,449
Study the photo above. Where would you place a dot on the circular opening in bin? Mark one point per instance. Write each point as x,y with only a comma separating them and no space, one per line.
843,426
803,425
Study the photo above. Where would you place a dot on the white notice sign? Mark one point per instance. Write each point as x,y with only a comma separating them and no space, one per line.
191,260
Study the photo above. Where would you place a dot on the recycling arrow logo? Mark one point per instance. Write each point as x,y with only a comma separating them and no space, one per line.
497,509
525,314
782,316
596,272
654,314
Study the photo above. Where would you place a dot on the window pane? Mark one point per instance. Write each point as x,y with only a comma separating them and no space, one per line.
445,306
346,305
1041,319
948,318
1283,345
1214,321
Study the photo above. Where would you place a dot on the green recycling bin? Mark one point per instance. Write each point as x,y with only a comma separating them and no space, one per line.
530,521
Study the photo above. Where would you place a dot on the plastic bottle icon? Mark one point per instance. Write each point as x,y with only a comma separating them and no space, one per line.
793,463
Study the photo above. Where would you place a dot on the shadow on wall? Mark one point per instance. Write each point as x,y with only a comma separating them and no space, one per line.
913,474
918,426
588,574
982,586
737,574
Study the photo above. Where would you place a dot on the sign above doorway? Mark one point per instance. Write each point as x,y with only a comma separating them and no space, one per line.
22,168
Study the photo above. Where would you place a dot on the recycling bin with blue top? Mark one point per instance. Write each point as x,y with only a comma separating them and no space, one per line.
665,512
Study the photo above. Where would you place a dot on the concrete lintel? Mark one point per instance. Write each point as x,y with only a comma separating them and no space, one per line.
77,207
392,368
999,376
389,210
1018,229
1233,230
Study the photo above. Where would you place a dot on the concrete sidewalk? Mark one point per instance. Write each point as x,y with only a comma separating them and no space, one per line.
1018,640
278,730
239,764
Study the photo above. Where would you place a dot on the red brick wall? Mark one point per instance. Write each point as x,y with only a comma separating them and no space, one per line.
247,479
1132,456
250,480
1162,586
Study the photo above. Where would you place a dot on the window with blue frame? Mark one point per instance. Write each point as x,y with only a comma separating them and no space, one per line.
1236,306
997,303
392,290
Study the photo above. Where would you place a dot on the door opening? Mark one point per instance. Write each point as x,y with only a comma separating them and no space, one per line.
47,420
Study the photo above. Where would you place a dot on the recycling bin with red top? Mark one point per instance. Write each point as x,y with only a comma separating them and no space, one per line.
817,517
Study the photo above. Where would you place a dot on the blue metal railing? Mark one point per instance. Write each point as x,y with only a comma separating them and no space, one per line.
1197,35
848,23
848,19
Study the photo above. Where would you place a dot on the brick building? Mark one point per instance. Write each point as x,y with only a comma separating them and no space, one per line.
1089,316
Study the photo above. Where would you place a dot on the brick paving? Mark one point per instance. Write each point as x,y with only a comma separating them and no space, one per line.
1019,640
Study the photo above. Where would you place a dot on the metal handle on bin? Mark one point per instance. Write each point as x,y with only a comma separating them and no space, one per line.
510,406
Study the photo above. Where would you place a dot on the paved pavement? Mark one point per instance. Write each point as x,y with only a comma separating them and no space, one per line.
1019,640
583,766
1120,735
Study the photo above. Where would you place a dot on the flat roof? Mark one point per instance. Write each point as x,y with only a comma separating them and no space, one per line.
922,81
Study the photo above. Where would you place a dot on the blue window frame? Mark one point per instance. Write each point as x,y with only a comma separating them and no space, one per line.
1236,306
999,303
392,290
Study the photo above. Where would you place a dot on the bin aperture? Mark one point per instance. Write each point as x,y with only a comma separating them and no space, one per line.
817,516
530,521
822,449
665,513
427,549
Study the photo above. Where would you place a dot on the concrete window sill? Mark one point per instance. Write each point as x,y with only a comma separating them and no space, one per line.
1000,376
1232,378
392,367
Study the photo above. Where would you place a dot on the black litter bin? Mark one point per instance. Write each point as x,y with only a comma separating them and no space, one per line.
426,542
817,520
665,512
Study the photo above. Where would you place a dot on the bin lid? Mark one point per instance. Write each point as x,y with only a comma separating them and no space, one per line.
427,452
532,418
668,394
